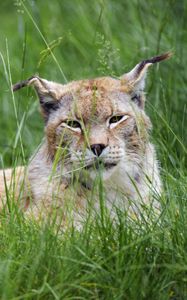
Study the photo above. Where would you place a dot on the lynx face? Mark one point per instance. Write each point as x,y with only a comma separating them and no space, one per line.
96,124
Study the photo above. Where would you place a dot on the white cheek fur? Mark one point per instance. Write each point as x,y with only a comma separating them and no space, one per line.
112,125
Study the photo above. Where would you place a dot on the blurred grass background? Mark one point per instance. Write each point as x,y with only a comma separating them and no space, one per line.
88,39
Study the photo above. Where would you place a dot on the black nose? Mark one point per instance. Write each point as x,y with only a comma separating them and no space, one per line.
97,149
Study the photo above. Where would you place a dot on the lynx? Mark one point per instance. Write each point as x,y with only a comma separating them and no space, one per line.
96,130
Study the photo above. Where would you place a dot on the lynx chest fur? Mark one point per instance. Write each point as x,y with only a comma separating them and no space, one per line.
96,134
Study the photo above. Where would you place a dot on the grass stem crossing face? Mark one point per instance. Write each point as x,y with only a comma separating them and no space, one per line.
102,117
96,127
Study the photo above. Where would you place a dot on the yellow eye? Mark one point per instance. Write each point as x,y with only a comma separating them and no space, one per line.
115,119
73,123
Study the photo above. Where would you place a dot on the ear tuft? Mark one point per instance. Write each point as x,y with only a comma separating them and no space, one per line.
22,84
49,93
135,79
153,60
42,86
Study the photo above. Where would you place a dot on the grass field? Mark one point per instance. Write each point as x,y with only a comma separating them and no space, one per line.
66,40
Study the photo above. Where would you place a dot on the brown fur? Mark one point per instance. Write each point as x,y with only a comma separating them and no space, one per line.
106,114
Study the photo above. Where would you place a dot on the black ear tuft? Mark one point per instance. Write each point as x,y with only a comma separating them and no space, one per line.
48,93
153,60
135,79
22,84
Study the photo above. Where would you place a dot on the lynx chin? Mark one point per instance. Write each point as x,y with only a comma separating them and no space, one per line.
96,134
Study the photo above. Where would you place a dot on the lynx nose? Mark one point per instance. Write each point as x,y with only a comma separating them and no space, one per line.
97,149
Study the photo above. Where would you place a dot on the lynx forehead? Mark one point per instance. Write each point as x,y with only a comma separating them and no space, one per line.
89,99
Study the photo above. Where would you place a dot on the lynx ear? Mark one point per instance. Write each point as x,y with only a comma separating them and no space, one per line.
135,79
48,92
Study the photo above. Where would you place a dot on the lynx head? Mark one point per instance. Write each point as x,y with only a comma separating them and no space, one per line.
97,123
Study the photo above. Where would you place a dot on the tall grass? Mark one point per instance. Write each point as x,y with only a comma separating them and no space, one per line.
66,40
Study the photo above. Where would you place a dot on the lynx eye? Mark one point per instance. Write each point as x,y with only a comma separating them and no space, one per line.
115,120
72,124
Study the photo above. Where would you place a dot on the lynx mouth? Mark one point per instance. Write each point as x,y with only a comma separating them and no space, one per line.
101,165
